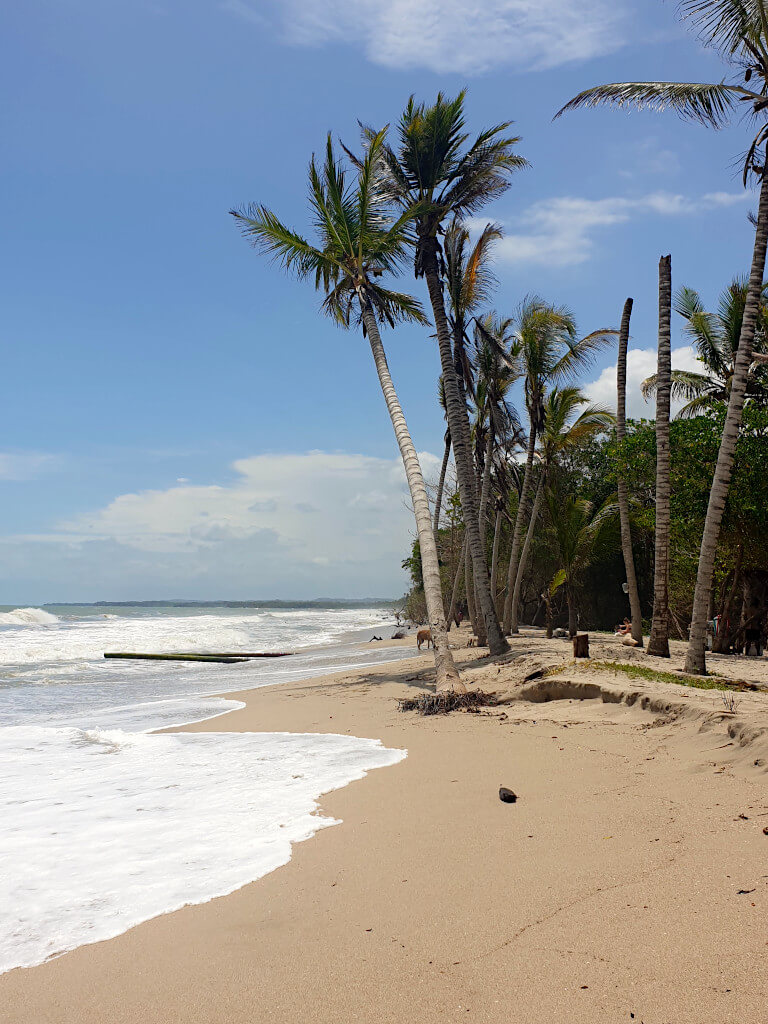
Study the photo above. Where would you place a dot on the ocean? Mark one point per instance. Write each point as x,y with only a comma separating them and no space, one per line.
105,823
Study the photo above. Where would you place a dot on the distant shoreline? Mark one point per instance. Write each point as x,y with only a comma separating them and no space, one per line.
320,602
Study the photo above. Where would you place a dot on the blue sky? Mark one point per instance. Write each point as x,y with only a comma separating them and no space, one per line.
154,365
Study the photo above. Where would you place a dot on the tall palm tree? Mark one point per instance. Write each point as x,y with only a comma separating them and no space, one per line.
621,483
357,242
547,344
716,339
738,30
497,369
469,282
444,467
566,424
437,174
578,529
658,643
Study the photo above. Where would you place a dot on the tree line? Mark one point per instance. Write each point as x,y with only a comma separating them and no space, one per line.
405,199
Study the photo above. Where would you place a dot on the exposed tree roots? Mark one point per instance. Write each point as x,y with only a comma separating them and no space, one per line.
444,703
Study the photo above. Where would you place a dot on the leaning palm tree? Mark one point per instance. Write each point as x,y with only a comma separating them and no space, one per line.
444,467
436,175
548,346
716,339
566,424
738,30
357,242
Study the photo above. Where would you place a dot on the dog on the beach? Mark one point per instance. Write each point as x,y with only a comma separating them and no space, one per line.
424,636
472,642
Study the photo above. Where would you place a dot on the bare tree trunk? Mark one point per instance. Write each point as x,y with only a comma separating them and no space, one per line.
510,612
458,425
456,582
696,656
623,493
723,640
495,556
441,484
658,644
486,487
446,674
522,567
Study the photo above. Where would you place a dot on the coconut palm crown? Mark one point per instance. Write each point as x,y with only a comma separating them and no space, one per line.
716,339
357,239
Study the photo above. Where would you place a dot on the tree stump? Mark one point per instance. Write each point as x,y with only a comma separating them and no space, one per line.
581,645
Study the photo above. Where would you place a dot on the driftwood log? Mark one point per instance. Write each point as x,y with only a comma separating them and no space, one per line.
581,645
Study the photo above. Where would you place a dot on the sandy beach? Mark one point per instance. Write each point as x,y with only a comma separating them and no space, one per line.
628,882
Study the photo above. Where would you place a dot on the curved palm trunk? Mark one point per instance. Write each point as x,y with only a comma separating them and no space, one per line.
621,486
658,644
446,674
510,610
495,557
458,424
441,484
524,554
696,657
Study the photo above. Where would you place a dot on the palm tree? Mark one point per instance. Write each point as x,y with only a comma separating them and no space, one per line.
547,345
716,339
658,643
497,369
357,242
621,484
444,467
578,529
566,424
435,175
738,30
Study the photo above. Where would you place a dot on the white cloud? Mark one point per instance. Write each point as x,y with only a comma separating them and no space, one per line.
646,156
560,230
641,364
462,36
288,525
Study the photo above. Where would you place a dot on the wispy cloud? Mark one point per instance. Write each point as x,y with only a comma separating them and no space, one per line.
560,232
462,36
25,465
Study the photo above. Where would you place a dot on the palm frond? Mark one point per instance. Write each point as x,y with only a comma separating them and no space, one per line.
709,104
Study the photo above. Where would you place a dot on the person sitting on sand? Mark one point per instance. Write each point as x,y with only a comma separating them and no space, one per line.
624,629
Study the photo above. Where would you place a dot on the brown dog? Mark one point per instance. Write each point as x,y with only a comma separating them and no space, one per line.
424,635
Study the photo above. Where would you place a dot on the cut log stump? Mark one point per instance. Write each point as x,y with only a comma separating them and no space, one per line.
581,645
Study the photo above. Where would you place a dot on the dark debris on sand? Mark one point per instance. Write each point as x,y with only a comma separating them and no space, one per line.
444,703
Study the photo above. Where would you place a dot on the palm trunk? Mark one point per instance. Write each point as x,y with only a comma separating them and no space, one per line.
441,484
456,583
572,624
623,493
446,674
510,611
469,591
521,569
486,486
495,557
696,656
658,644
458,424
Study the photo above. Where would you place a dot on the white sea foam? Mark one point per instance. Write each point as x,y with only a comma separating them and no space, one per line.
105,829
28,617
